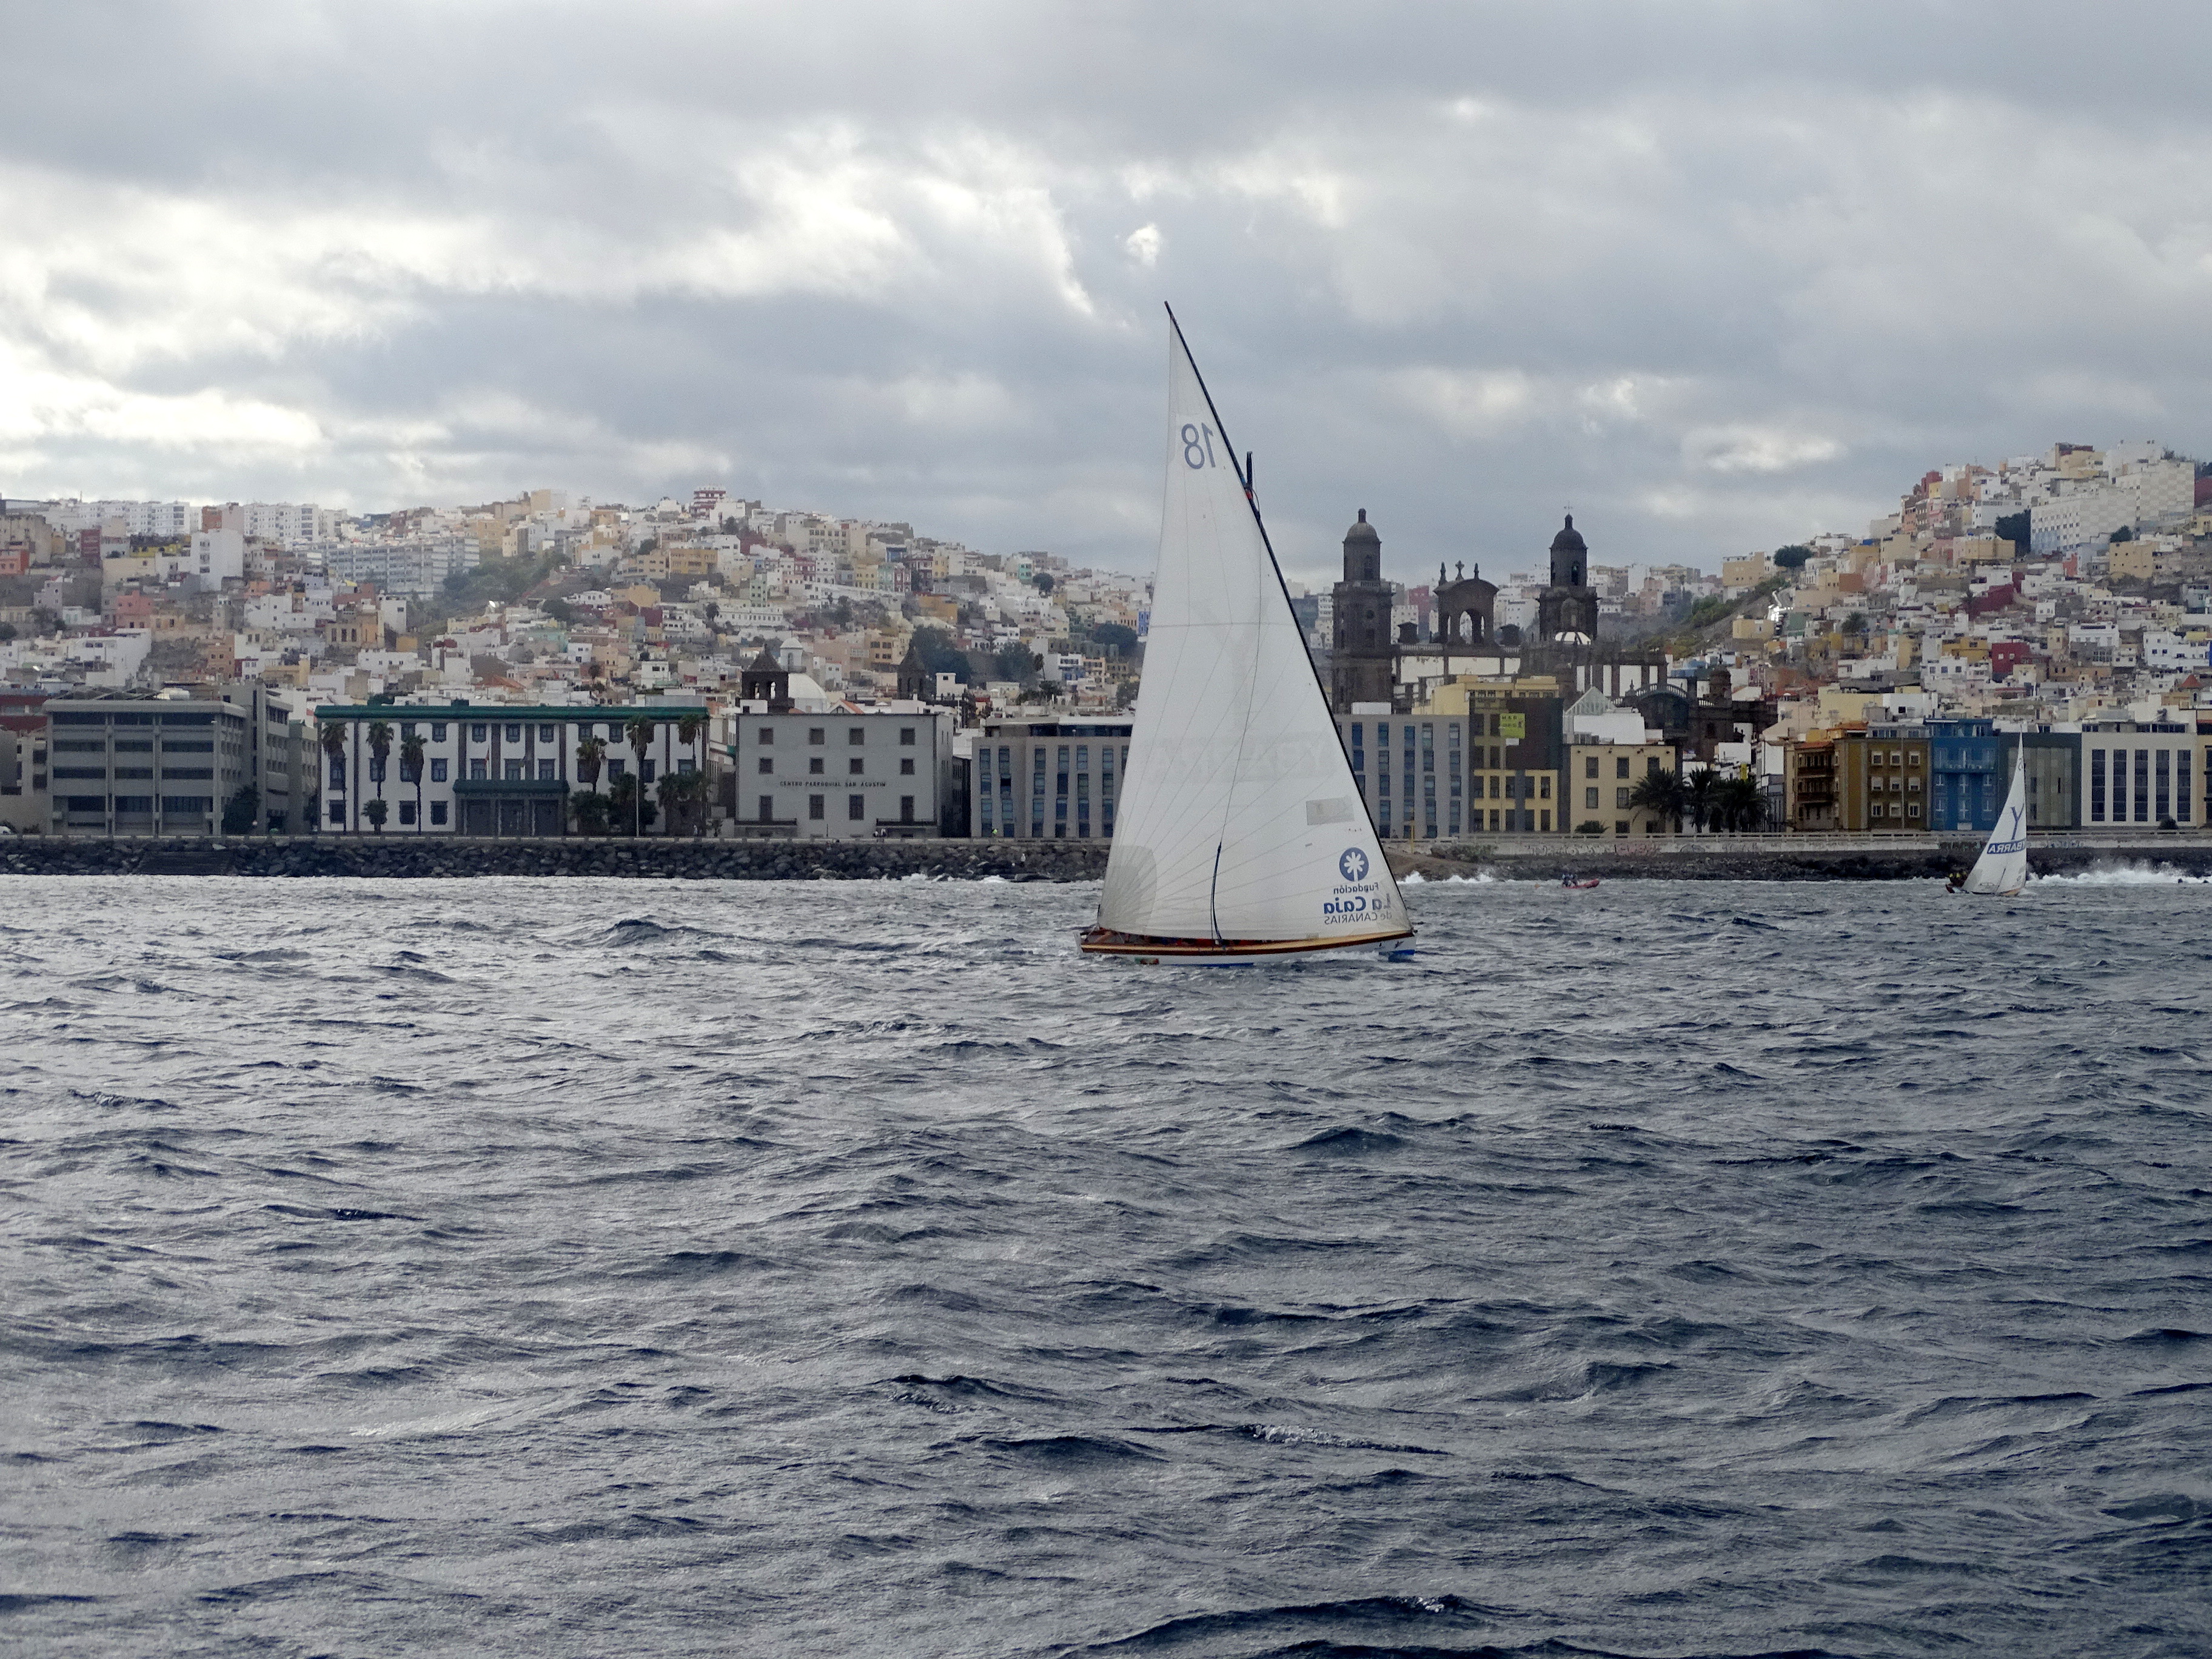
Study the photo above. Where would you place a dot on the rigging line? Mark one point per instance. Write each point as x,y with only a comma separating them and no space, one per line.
1365,806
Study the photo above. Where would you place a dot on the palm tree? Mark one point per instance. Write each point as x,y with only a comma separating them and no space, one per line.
1699,790
673,795
640,733
379,749
589,808
1739,803
376,811
627,791
1664,795
334,745
411,767
589,755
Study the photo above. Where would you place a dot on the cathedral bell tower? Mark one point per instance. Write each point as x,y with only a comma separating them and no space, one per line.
1364,656
1567,609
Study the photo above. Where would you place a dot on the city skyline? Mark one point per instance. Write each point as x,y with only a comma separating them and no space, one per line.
1715,282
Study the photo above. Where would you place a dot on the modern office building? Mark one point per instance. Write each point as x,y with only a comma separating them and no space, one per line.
146,766
1048,780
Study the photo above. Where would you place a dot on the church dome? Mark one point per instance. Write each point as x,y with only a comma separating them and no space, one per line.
1569,540
1363,531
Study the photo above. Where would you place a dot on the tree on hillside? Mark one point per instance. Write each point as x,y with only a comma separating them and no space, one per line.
2014,527
1792,557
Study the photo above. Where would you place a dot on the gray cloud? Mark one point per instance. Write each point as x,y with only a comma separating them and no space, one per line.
1716,275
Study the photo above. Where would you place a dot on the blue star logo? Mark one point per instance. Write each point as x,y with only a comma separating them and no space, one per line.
1353,864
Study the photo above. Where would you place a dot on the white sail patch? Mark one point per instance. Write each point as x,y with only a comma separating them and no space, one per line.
1338,809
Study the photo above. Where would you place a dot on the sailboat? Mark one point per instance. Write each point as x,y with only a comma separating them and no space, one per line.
1240,835
2001,870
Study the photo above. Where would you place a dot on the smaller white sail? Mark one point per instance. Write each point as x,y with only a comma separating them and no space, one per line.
2001,870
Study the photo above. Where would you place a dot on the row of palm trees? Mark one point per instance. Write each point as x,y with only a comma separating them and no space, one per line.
1706,799
684,795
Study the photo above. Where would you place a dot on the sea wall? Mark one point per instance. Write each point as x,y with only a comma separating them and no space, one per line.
424,856
420,857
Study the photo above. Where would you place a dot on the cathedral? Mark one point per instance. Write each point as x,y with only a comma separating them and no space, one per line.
1373,666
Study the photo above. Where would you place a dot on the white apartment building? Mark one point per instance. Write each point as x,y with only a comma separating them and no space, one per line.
837,776
415,566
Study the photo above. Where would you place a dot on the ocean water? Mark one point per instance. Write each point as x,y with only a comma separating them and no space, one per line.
643,1268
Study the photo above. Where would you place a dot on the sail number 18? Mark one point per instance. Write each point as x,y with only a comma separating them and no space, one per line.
1197,446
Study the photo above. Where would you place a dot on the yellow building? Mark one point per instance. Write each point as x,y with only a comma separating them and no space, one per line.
1881,774
1511,734
1602,777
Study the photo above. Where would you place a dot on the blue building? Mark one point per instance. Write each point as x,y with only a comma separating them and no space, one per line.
1968,773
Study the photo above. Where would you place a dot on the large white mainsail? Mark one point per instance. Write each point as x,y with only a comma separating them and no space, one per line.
2002,867
1239,830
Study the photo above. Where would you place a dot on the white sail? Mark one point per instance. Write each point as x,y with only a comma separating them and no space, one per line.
1238,821
2002,867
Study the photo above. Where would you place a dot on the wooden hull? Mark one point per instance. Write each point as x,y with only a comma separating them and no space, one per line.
1100,941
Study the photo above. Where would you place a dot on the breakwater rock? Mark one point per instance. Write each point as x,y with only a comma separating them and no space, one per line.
423,856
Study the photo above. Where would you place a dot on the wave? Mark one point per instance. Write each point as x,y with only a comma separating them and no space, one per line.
2131,874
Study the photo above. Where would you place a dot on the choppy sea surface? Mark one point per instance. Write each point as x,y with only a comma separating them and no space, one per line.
486,1266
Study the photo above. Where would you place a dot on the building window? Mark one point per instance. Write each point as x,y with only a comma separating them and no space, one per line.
437,812
1621,800
816,766
547,772
767,734
814,806
856,807
515,732
906,809
407,811
437,730
338,772
906,736
1589,796
1620,826
515,771
1544,788
856,767
816,734
1548,824
2096,786
338,812
479,732
856,735
438,769
766,808
906,767
767,765
479,769
544,735
1589,769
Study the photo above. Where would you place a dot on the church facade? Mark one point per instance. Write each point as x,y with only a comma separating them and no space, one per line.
1371,672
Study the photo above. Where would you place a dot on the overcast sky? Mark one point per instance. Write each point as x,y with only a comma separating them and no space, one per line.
1716,276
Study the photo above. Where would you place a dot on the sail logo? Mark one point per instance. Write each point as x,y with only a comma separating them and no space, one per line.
2017,844
1358,897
